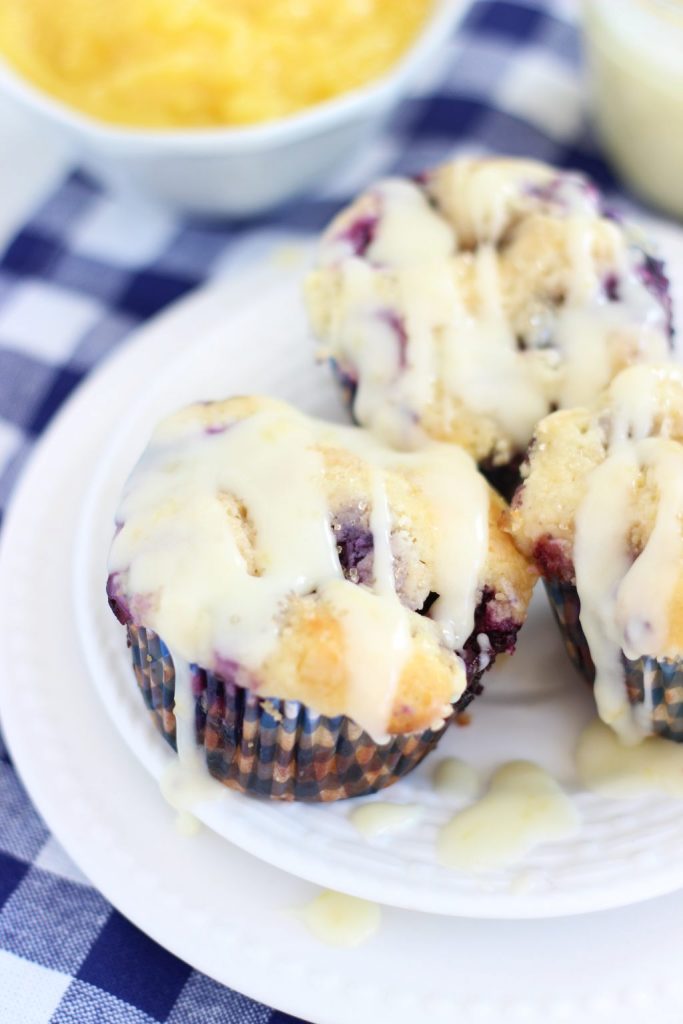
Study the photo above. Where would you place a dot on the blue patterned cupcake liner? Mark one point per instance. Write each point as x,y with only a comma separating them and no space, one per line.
649,681
273,748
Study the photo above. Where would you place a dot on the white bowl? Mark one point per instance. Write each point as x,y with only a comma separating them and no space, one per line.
235,171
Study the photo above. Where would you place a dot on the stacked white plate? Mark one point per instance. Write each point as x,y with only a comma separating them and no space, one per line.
451,946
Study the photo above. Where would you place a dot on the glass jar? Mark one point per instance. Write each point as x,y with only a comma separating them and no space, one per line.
635,57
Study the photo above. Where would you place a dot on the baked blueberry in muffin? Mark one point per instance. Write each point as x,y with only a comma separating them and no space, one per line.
601,514
326,603
467,305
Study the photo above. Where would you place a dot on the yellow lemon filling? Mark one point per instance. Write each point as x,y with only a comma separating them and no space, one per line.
198,63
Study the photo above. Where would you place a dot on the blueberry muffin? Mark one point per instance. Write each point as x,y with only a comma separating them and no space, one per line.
467,305
601,514
326,604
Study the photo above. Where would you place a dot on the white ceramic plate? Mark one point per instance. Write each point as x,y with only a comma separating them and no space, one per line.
535,707
224,912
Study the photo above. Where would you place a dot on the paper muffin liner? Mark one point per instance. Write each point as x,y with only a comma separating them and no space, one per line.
274,748
650,682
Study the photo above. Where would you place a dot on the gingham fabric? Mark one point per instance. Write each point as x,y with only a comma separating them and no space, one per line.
87,269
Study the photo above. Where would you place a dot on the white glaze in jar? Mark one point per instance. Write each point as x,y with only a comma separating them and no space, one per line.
635,53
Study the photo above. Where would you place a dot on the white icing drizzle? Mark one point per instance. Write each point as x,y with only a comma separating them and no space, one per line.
647,589
461,538
583,321
459,501
625,601
377,642
380,527
187,824
404,228
483,195
184,573
360,330
608,766
177,543
381,818
580,245
408,230
634,402
489,195
472,350
522,808
378,633
481,363
339,920
601,560
421,292
186,781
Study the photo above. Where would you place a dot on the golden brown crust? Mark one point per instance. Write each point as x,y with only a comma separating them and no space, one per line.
309,665
508,570
567,445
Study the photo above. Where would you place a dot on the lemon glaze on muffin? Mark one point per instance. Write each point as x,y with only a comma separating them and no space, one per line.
601,509
302,553
469,304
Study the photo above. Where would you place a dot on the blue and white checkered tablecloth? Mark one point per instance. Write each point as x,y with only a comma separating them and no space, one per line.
85,270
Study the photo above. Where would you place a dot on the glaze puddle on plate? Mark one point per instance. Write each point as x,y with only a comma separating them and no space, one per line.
187,824
185,783
382,818
607,766
523,808
339,920
454,778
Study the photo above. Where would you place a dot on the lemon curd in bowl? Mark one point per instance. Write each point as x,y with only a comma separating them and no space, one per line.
171,64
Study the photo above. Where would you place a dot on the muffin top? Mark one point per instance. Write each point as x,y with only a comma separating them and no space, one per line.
469,304
601,507
311,562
